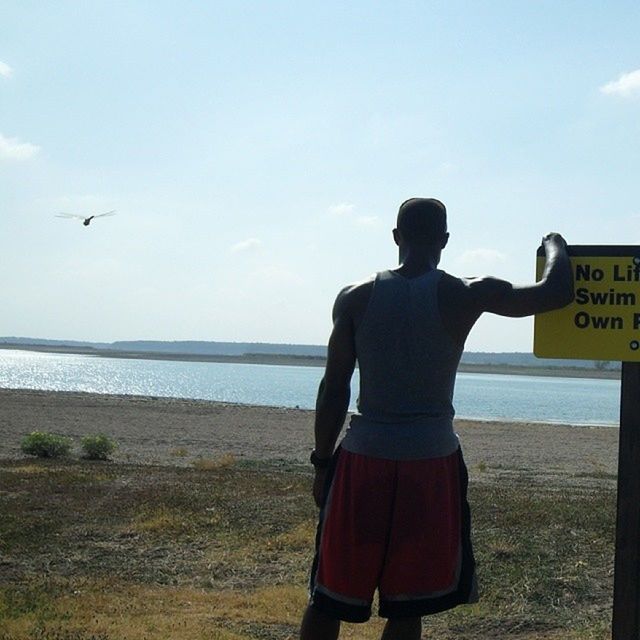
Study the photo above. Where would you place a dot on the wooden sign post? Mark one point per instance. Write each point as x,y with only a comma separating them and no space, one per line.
603,323
626,588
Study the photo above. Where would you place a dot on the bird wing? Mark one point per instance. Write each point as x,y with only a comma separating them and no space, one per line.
69,215
102,215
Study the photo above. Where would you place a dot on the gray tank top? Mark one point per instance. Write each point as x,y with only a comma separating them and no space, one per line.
407,364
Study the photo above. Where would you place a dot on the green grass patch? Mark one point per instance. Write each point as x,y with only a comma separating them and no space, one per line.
134,552
545,555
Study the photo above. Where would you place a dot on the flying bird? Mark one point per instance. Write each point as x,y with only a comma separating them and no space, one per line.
85,221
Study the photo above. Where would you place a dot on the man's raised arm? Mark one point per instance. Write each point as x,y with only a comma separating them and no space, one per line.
553,291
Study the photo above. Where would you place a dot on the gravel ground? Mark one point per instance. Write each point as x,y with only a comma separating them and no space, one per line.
176,432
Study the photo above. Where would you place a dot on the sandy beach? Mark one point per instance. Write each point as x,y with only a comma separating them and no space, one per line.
176,432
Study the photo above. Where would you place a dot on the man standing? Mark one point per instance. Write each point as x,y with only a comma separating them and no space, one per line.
393,509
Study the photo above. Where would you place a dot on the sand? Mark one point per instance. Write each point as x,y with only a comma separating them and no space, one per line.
176,432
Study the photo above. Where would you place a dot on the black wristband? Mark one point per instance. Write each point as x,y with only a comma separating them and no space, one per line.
319,463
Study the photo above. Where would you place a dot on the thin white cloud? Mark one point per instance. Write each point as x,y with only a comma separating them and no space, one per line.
250,244
5,70
342,209
627,85
13,149
347,211
368,221
278,275
481,257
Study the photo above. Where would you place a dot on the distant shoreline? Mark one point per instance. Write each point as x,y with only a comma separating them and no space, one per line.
307,361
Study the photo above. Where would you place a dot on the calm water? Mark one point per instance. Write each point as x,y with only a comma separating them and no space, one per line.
484,396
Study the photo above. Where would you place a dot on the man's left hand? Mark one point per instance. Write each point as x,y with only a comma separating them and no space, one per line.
318,487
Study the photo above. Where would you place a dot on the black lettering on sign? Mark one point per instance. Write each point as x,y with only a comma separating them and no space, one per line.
630,273
585,272
583,320
584,296
636,320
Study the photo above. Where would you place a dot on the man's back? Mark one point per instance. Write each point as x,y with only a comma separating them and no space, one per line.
406,357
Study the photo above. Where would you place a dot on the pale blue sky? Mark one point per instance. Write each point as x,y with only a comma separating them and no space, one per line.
256,154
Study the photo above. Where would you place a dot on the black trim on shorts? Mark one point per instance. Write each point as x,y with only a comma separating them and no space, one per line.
466,584
318,600
340,610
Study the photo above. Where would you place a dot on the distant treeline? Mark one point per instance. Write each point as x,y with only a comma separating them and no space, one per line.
523,359
191,347
206,348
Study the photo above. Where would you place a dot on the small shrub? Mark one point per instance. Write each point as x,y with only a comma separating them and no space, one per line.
45,445
98,447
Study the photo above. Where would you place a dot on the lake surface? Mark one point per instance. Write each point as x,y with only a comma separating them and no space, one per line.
580,401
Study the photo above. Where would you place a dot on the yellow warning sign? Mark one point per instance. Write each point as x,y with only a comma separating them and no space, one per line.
603,321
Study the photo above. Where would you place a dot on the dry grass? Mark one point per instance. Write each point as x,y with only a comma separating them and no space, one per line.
299,538
207,464
28,469
137,553
161,520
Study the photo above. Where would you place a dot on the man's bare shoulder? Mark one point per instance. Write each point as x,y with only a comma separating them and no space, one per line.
353,299
472,290
462,301
358,289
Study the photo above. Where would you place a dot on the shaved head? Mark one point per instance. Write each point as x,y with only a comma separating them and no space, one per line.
422,220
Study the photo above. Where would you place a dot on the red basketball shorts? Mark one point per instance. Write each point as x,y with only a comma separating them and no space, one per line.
399,526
